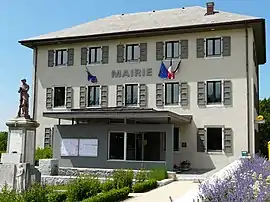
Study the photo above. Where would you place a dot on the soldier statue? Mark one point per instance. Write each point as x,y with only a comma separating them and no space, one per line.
24,100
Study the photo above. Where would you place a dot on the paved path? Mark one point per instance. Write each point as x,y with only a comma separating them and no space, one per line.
161,194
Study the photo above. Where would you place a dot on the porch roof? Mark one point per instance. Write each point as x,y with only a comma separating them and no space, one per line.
149,114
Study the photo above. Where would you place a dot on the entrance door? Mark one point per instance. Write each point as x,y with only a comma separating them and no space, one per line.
151,146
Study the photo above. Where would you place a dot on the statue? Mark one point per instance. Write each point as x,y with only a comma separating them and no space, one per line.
19,178
24,100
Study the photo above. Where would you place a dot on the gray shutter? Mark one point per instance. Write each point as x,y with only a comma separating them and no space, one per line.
159,51
143,95
184,49
201,97
49,98
84,56
50,58
159,95
200,48
226,45
184,94
83,92
201,140
70,61
143,52
104,96
105,54
119,95
227,92
228,141
69,96
120,53
48,137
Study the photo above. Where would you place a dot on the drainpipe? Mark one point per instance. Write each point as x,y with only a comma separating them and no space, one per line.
34,83
248,88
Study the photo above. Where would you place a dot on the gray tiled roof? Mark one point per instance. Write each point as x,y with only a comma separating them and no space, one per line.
146,21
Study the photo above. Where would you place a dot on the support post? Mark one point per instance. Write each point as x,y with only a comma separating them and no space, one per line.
169,148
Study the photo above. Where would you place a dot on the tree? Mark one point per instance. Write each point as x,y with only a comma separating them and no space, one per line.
3,141
264,110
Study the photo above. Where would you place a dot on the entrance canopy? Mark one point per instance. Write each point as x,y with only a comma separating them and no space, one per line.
147,115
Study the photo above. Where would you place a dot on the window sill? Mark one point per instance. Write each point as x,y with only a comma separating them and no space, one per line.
94,64
215,153
131,105
60,66
173,105
214,106
134,161
93,107
132,61
169,59
59,108
214,57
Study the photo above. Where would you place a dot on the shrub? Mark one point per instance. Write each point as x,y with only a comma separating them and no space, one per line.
142,175
145,186
158,174
122,178
82,188
248,183
3,140
45,153
57,196
110,196
36,193
8,195
107,185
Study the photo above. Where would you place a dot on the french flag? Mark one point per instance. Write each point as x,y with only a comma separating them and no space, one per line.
169,73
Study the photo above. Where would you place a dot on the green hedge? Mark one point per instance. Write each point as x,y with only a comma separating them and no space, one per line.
57,196
145,186
158,174
45,153
110,196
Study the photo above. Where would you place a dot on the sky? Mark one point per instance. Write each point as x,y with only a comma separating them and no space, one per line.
21,19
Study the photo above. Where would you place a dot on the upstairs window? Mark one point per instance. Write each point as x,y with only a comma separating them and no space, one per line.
213,47
93,96
61,57
172,49
59,96
132,52
131,94
95,55
171,93
214,90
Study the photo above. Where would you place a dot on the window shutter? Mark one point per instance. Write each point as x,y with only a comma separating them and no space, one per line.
69,96
50,58
201,93
227,92
159,51
120,53
184,94
159,95
226,45
200,48
49,98
143,52
104,96
105,54
48,137
143,95
83,91
119,95
70,61
228,141
201,140
84,56
184,49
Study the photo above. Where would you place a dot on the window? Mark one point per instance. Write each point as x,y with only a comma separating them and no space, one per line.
61,57
93,96
131,94
171,93
175,140
59,96
214,92
116,145
172,49
95,55
214,139
213,47
132,52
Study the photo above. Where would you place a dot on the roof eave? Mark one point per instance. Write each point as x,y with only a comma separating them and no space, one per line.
158,31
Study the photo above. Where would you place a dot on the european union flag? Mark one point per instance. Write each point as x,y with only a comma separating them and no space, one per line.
163,71
91,77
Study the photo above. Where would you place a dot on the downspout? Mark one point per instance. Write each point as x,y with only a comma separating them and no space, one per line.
248,88
34,83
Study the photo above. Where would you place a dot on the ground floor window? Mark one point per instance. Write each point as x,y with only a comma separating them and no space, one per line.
214,137
135,146
176,140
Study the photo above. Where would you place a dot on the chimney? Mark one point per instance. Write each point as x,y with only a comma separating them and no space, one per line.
210,8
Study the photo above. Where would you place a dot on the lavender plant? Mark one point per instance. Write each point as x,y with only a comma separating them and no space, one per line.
249,183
